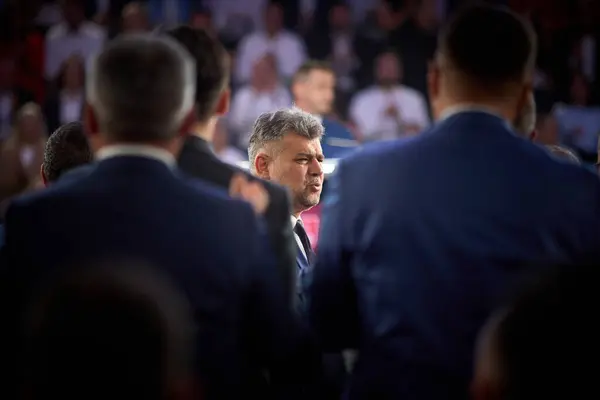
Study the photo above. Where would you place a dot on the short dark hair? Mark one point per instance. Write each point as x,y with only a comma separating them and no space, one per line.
141,88
66,149
212,66
311,65
489,46
120,328
544,338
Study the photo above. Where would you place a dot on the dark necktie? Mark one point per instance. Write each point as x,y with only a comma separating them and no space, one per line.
299,230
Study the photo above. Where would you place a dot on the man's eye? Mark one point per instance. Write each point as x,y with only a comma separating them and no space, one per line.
302,160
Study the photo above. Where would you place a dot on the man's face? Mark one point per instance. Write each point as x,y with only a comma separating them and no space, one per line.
296,164
388,70
319,91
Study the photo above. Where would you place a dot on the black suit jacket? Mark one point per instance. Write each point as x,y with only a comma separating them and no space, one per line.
198,160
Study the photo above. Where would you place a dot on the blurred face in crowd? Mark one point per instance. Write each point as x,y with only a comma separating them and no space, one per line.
135,19
295,162
30,127
273,19
7,73
316,93
202,20
579,90
264,72
73,12
73,75
387,70
340,18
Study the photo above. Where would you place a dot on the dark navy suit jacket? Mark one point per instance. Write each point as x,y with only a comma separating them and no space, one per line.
420,239
131,207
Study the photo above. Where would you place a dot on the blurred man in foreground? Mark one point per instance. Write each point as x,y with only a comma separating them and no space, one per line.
421,238
133,204
198,159
534,347
111,331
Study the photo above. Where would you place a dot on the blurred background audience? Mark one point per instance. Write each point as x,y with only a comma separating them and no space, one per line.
364,71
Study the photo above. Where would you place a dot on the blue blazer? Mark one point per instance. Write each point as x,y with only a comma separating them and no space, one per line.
213,247
420,240
338,141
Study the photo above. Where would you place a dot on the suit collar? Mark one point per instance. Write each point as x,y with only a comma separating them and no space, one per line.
199,144
131,150
469,109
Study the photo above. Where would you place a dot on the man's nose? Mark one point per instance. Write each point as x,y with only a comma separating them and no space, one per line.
315,167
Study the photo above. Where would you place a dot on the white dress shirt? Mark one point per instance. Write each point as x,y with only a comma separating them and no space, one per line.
287,47
136,150
368,111
298,241
62,44
247,105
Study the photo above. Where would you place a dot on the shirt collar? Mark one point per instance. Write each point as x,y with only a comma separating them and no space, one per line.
463,108
295,221
136,150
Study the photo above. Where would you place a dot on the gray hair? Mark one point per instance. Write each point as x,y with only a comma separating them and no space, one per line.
273,126
141,87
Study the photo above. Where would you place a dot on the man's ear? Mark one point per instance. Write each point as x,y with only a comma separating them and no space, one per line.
433,84
261,166
222,107
187,126
43,175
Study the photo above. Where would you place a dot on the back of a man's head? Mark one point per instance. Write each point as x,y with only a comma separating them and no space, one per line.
66,149
545,344
141,89
119,332
487,48
212,68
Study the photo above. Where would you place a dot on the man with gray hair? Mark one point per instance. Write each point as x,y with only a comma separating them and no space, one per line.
285,147
133,204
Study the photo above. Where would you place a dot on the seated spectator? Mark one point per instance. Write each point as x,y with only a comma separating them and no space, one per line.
22,153
264,93
66,149
65,104
75,35
388,110
534,349
110,332
286,47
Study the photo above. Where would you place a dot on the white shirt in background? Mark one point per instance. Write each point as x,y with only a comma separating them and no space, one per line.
70,108
231,155
287,47
247,105
62,44
368,111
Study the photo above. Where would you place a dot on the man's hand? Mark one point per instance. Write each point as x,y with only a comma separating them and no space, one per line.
251,191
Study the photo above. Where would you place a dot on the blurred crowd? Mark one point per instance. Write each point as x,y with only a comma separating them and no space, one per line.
374,87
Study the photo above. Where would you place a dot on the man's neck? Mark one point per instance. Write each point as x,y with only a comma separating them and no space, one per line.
206,130
501,110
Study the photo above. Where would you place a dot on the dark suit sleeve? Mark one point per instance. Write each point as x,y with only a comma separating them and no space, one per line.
332,303
277,337
14,268
282,238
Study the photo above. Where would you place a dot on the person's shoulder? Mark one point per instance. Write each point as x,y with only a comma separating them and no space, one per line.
372,154
93,30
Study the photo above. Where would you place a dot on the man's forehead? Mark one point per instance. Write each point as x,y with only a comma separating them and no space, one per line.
295,143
